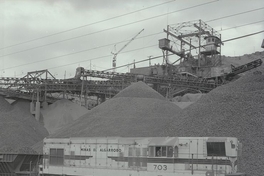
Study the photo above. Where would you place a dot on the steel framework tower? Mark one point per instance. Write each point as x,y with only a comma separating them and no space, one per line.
196,43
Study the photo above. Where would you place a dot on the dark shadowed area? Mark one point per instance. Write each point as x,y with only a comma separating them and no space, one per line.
235,110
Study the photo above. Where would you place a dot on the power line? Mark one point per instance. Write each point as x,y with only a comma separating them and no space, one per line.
52,58
235,14
128,40
86,49
156,57
124,52
139,37
75,62
118,42
101,57
96,32
242,25
90,24
242,36
173,54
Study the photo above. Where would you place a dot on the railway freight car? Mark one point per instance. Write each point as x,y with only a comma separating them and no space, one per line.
141,156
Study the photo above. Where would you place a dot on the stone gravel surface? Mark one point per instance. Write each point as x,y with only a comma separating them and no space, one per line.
137,110
61,113
18,129
236,110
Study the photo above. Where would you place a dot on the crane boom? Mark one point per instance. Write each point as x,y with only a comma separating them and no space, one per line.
115,54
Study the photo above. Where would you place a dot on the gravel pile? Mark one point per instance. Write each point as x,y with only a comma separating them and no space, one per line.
18,129
182,105
189,97
235,110
139,90
4,105
186,100
23,105
38,147
137,110
61,113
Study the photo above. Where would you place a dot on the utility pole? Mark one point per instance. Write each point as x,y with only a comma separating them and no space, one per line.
199,55
149,60
90,68
167,52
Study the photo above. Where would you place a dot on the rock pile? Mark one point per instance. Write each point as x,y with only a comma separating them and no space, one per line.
18,129
61,113
189,97
137,110
186,100
235,110
4,105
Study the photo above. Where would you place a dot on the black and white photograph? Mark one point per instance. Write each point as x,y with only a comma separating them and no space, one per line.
131,88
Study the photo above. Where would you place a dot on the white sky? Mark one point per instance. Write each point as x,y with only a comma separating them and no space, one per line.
23,20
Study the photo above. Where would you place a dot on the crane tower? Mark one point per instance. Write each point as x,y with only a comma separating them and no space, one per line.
115,54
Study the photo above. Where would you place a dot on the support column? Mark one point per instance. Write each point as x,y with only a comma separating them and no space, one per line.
31,107
86,98
199,55
81,91
37,112
97,99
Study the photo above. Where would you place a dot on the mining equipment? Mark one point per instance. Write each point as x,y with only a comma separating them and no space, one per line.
188,73
36,88
167,83
40,90
242,68
141,156
184,39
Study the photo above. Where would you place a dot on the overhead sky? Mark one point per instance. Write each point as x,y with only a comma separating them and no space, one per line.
92,24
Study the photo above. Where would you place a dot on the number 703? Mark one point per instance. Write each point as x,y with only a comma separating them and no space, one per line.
160,167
